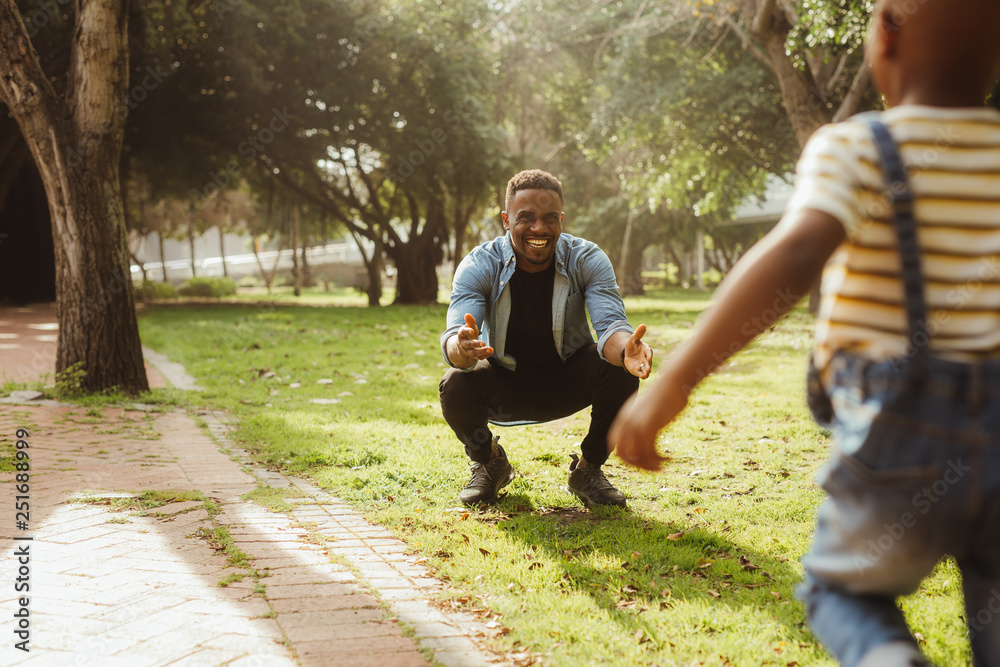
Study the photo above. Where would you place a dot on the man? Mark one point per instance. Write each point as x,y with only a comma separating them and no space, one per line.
531,291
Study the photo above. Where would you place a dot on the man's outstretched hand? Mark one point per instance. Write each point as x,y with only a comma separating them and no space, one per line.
468,342
638,355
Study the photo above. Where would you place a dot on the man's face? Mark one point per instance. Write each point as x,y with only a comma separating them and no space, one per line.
535,223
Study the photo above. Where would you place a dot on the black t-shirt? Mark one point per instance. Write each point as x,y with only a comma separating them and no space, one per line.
529,332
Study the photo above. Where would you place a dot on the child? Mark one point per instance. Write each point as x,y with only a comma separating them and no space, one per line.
913,373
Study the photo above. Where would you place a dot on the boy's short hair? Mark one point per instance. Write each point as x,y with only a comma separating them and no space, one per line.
532,179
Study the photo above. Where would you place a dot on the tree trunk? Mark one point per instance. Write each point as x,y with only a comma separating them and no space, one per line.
416,274
307,280
222,252
804,101
296,268
190,226
626,241
268,278
374,268
75,140
678,262
163,257
770,22
629,274
142,267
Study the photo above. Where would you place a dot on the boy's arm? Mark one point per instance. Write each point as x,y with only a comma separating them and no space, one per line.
763,286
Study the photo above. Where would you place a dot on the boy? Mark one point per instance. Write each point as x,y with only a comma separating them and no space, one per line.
915,474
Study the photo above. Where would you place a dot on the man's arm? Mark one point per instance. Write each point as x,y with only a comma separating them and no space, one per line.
607,312
767,282
469,294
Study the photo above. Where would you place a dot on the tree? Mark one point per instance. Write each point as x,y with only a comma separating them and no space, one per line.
812,48
74,133
398,147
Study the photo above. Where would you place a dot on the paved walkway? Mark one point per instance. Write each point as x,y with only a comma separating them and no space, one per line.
144,551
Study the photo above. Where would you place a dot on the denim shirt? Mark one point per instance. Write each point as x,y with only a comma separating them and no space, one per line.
584,283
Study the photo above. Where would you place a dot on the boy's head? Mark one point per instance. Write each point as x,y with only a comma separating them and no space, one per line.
936,52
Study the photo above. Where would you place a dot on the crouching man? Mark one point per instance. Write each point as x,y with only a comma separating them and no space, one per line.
520,347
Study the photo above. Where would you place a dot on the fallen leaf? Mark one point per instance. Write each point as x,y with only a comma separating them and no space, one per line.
776,594
705,562
675,536
714,593
484,551
465,516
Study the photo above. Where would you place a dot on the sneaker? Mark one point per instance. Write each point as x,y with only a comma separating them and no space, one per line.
488,478
591,486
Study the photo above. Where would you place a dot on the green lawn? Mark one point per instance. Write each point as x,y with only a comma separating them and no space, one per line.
700,570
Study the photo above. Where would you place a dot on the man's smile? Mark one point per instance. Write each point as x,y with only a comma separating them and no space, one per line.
537,243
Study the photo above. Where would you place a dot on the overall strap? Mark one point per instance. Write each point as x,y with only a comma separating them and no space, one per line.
901,197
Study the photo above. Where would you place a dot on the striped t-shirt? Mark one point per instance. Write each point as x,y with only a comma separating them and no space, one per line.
953,160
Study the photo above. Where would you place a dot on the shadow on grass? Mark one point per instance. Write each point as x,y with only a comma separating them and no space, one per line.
639,569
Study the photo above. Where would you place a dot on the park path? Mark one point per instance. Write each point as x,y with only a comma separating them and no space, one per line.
117,580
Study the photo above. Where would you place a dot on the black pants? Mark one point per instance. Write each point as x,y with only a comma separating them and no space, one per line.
491,393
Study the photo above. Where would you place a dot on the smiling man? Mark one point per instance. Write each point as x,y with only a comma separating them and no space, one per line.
530,291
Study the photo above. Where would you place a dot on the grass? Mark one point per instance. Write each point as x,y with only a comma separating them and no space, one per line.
273,498
702,567
141,504
219,539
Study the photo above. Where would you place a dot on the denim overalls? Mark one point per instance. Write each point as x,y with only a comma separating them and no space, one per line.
914,476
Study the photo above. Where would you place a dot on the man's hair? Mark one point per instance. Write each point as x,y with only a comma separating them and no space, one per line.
532,179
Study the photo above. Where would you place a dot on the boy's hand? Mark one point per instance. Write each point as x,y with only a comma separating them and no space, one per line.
633,434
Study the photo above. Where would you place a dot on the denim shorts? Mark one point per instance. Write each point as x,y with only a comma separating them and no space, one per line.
916,465
914,476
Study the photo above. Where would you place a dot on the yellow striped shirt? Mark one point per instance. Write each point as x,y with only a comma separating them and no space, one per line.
953,160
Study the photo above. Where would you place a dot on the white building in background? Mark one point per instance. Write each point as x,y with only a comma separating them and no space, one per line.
766,209
340,262
769,207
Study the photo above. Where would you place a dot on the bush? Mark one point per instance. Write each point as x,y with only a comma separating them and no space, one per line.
249,281
154,291
208,287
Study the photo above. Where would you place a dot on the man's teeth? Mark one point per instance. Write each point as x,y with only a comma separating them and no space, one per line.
538,243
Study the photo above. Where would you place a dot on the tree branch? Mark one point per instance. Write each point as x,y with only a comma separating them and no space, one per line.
761,19
24,88
852,101
749,45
